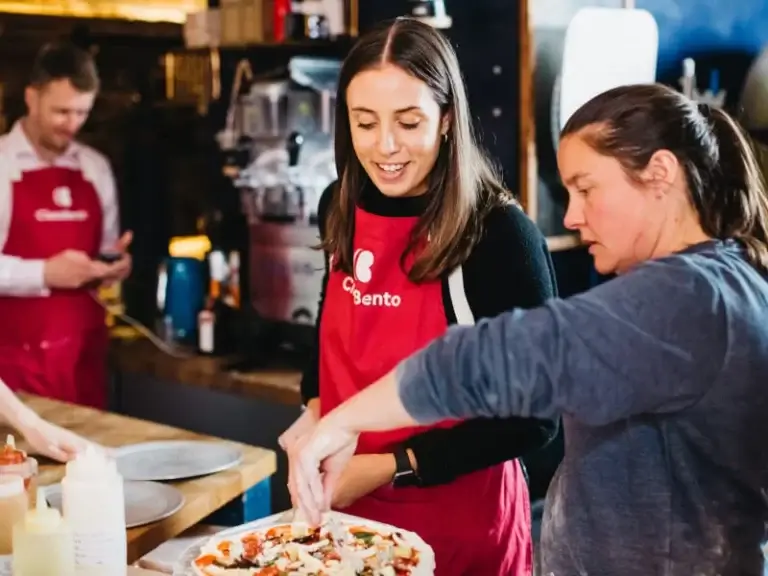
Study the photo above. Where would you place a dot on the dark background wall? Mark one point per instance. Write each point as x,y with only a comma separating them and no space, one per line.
725,35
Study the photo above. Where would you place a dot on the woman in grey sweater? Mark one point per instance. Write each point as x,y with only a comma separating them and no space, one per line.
659,374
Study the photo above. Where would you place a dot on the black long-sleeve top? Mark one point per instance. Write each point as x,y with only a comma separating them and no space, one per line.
510,267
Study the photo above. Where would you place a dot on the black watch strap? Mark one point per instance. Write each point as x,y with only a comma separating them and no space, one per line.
405,475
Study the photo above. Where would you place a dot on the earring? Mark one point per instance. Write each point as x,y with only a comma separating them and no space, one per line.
445,137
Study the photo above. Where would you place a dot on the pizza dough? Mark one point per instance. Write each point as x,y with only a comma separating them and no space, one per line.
342,546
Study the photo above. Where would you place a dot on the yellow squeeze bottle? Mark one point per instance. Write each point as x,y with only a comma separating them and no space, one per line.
43,543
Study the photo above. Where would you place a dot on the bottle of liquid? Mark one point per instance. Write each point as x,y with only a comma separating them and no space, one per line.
212,320
16,462
206,324
13,506
94,507
43,543
232,298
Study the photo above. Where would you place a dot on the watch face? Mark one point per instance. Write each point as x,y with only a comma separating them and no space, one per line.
404,478
405,475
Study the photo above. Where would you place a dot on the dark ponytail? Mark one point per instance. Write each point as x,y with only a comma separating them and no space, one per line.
724,179
739,207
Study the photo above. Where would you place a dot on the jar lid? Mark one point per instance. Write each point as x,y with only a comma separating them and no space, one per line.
11,485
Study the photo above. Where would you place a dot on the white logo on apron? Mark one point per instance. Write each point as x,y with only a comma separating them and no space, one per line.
362,266
363,262
62,198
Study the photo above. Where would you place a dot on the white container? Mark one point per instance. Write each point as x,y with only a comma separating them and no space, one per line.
94,507
43,529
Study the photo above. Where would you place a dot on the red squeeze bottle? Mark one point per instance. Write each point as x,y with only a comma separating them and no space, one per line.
11,455
16,463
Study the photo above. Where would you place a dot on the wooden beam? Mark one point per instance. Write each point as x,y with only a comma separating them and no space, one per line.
527,159
27,26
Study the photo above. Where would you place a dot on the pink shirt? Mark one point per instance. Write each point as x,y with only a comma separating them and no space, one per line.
22,277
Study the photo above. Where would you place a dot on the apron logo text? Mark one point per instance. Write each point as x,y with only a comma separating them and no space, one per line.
385,299
44,215
363,271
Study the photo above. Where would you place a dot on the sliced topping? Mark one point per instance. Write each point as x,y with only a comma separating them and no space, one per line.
281,532
292,550
252,546
269,571
206,560
364,536
310,562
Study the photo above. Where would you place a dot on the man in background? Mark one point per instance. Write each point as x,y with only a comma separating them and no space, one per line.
58,214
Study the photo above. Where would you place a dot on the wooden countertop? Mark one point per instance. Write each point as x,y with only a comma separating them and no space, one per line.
203,496
141,356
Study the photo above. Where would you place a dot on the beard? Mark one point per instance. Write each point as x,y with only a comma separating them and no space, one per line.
55,144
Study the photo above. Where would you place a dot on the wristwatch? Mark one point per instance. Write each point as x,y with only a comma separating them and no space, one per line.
405,475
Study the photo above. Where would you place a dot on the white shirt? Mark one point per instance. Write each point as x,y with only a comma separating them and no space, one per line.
24,277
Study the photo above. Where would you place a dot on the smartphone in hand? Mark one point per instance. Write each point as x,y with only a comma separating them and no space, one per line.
109,257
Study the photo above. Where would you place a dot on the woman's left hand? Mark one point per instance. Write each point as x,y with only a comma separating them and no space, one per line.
321,458
364,474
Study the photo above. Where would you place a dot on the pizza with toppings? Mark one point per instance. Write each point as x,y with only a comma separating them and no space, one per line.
333,549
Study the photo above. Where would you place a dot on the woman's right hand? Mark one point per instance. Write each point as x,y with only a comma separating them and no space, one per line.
304,424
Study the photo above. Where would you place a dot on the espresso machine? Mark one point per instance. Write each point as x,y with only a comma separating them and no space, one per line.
279,139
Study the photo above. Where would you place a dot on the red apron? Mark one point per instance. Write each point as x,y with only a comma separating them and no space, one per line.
480,523
56,345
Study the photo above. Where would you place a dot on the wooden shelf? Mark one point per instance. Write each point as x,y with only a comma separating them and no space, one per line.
343,43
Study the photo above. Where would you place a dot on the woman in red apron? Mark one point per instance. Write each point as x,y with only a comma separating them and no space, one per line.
421,236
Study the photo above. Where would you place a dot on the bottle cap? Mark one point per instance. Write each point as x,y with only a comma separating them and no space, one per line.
9,454
92,465
43,518
11,485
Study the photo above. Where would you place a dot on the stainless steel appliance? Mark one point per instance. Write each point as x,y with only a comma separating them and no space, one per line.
281,129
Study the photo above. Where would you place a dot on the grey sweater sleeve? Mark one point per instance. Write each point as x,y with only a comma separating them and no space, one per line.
651,340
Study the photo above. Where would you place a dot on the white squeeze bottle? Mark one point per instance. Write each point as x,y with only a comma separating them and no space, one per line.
94,507
43,528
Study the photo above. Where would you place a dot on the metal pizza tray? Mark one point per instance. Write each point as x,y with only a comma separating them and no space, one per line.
175,460
145,502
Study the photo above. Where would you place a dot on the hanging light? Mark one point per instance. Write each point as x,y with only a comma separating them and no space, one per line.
159,11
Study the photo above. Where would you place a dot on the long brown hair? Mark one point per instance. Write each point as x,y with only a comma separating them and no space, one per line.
724,179
462,185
